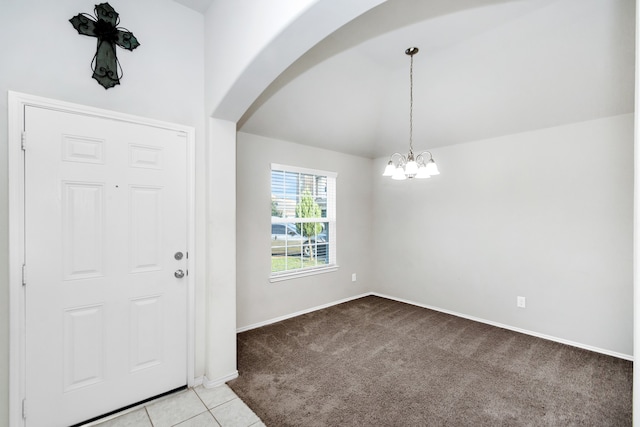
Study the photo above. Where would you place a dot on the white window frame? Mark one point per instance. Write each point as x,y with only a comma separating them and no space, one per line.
332,265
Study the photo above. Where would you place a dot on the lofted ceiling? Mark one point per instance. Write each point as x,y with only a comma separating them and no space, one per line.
486,68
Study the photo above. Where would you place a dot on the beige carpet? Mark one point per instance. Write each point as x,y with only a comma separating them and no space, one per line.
377,362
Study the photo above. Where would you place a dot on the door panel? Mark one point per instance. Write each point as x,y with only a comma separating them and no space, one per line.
83,347
146,332
146,228
105,210
82,230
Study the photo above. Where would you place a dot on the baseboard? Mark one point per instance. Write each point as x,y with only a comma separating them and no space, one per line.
216,382
442,310
198,381
511,328
298,313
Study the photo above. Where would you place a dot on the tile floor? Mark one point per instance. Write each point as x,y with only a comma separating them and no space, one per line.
196,407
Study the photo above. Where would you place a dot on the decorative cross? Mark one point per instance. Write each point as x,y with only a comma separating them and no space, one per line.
105,64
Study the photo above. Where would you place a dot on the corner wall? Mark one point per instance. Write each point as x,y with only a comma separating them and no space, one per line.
237,72
546,214
258,300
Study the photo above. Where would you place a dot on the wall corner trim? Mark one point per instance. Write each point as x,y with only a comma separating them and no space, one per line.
217,382
441,310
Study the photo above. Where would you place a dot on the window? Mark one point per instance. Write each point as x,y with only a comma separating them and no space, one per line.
303,221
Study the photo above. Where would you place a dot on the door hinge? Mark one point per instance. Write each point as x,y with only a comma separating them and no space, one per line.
24,409
23,140
24,274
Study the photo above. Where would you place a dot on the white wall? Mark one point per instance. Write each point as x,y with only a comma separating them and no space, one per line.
636,236
220,339
163,79
258,299
547,215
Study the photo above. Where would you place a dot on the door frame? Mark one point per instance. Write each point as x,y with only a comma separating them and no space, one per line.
16,174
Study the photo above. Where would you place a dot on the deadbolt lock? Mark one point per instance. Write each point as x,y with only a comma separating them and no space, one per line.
178,256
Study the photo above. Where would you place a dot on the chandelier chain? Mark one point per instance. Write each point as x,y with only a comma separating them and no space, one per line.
411,166
411,108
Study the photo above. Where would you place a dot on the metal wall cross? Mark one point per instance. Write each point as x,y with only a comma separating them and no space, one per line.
105,64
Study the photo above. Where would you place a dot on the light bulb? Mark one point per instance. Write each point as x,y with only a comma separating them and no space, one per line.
432,168
422,172
398,174
389,170
411,168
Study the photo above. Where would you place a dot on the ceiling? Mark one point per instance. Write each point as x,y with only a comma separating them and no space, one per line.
197,5
486,68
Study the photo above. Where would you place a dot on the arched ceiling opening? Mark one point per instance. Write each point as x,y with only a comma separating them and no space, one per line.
486,68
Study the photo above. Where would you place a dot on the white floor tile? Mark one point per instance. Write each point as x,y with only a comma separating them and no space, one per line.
215,396
203,420
175,409
137,418
186,409
234,414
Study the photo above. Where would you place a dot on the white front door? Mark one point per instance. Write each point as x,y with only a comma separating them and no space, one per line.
105,221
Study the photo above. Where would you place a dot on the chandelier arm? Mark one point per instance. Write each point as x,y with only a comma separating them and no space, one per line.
398,159
421,155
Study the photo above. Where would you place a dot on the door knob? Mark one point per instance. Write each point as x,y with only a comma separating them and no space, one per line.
179,274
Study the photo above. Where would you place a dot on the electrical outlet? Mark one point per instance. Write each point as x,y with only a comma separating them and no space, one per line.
521,302
353,277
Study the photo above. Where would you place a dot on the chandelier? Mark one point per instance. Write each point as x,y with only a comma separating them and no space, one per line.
411,166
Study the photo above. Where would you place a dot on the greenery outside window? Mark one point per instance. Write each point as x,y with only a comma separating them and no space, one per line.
303,221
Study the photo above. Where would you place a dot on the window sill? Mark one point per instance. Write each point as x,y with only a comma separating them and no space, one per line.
302,273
